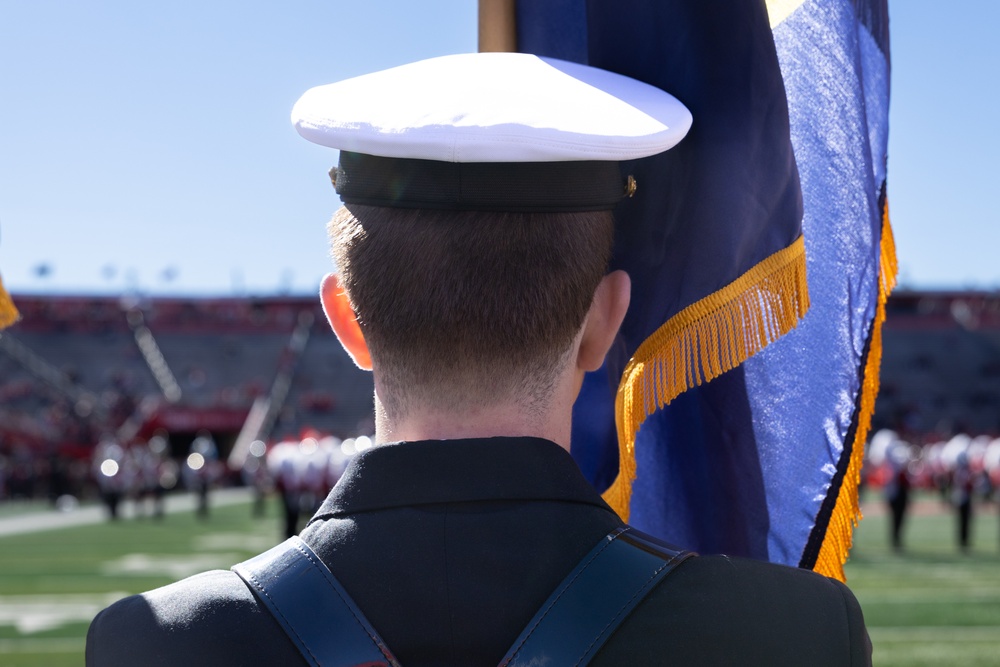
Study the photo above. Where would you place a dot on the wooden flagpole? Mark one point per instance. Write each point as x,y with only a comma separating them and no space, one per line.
497,25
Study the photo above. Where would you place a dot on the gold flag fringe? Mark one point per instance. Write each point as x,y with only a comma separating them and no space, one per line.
703,341
847,512
8,313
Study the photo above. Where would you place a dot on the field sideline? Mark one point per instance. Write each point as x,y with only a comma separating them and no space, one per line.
927,606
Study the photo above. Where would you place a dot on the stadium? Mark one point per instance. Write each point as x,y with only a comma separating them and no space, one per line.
76,370
173,401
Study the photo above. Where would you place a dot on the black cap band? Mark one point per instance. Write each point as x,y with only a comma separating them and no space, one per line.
542,187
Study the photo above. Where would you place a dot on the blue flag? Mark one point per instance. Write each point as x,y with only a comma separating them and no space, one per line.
785,161
818,385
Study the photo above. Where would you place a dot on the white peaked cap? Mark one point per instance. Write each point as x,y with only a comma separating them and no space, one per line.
493,107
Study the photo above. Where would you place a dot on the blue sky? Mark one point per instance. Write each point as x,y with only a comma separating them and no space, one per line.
147,145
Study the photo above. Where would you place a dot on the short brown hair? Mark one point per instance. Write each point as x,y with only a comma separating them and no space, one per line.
470,305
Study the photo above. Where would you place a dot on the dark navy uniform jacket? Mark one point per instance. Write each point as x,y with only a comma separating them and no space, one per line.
450,547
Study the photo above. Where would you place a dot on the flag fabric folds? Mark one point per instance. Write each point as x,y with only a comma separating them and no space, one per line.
834,57
783,171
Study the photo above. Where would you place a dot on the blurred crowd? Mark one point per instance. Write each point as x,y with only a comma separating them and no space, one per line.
963,472
303,472
297,472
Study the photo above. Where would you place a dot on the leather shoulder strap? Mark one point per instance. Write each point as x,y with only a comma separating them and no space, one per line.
313,608
594,599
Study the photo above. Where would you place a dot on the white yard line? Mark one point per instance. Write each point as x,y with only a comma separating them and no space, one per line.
47,645
54,520
936,634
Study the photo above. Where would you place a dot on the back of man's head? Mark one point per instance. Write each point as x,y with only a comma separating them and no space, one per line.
467,308
478,192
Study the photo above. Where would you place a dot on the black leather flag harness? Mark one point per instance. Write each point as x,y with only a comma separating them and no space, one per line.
570,628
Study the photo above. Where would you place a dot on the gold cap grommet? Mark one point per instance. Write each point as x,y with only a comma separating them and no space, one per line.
630,186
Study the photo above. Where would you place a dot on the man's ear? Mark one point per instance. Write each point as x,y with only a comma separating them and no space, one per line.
605,316
343,320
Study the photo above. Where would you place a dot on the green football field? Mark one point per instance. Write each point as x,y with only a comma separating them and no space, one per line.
927,606
930,605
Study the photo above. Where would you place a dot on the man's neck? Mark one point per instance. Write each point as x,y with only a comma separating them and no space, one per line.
426,423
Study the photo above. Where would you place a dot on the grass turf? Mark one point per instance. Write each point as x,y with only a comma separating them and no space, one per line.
929,605
53,582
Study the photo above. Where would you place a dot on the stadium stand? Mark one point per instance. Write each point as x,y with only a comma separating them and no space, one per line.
76,368
940,365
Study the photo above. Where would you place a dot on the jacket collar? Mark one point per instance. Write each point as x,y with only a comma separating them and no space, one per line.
468,470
